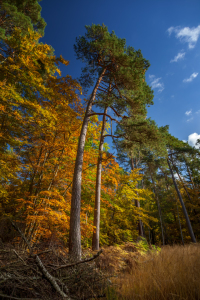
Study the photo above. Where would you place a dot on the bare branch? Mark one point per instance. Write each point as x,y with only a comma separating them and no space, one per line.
102,114
116,112
113,136
10,297
81,262
50,278
44,271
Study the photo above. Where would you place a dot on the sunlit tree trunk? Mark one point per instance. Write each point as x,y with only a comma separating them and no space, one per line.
96,231
75,230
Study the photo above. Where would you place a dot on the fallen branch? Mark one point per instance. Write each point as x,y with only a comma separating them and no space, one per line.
80,262
44,271
50,278
10,297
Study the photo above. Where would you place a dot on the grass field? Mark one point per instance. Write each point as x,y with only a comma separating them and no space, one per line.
171,274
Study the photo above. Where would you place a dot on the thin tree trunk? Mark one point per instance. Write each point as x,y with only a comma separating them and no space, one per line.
188,169
75,229
149,236
96,231
137,204
180,224
141,233
185,188
159,208
183,206
182,183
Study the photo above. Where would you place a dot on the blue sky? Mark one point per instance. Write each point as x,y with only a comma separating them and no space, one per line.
168,34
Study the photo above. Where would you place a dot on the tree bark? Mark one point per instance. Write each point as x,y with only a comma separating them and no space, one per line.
137,204
96,230
183,206
159,208
182,182
179,221
185,188
75,230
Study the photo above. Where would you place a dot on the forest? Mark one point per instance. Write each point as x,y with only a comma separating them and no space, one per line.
64,187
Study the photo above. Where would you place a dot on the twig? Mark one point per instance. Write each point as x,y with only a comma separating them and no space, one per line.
19,257
92,297
46,251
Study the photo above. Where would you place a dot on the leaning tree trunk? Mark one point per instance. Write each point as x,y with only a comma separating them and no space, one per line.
75,229
183,206
182,182
188,169
96,230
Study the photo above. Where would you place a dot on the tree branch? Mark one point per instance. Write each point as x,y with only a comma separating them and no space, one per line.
81,262
102,114
10,297
116,112
44,271
114,136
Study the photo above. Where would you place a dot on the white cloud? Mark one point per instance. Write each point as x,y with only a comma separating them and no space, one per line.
156,84
189,112
192,139
151,77
186,34
179,56
194,75
170,29
169,74
197,112
189,120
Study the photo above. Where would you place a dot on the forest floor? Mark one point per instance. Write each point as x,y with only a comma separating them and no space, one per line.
170,274
124,272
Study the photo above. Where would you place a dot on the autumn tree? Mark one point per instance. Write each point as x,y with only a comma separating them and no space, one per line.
119,213
35,105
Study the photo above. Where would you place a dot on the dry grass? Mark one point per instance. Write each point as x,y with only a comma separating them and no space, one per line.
122,258
119,259
172,274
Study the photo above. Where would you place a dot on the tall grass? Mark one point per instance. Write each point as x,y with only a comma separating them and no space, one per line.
171,274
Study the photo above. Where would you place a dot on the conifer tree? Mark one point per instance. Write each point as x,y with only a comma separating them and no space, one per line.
108,61
20,14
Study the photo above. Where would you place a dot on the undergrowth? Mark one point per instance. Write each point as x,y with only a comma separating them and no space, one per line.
170,274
